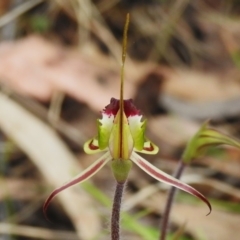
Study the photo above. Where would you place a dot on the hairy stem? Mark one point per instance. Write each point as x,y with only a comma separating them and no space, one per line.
169,203
115,221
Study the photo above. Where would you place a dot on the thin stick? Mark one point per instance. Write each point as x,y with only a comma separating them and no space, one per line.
16,12
115,229
36,232
169,203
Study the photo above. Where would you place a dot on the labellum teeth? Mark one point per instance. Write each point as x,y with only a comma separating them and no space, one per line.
128,107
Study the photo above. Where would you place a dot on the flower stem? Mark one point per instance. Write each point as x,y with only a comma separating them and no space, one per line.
169,203
115,221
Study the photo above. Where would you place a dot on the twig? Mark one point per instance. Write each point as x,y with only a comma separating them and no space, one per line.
54,111
169,203
169,26
71,133
16,12
35,232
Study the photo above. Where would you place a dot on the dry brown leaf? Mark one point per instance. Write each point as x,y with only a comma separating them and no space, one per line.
174,130
199,95
196,86
219,225
53,159
4,5
23,63
228,166
35,67
36,232
19,189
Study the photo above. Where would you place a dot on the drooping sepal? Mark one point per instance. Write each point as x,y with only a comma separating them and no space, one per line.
83,176
205,138
164,177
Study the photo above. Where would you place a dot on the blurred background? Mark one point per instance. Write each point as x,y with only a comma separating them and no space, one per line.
59,66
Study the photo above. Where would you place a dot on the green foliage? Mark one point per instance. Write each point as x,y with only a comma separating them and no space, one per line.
40,23
129,222
206,137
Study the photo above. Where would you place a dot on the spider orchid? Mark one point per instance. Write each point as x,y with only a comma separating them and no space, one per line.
121,134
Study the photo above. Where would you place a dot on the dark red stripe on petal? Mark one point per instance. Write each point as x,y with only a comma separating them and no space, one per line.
92,146
149,149
174,182
71,183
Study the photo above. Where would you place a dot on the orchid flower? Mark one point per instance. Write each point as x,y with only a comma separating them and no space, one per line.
121,135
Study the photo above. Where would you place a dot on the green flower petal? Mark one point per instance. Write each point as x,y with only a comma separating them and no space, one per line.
137,129
141,144
104,130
